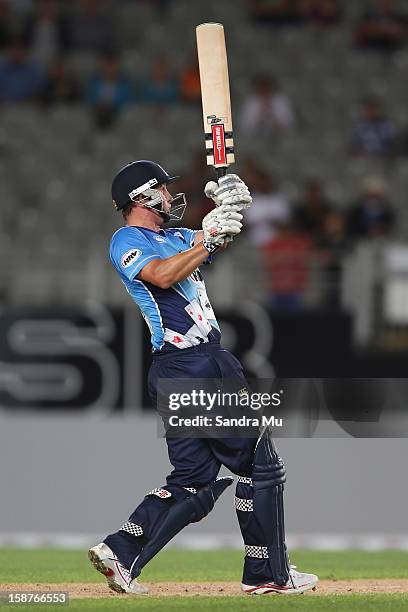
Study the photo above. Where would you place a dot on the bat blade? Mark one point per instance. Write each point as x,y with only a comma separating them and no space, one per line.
215,95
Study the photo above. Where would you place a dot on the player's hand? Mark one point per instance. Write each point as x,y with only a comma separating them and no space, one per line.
230,191
218,225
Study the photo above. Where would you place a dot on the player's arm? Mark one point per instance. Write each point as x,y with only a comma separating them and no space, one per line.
166,272
199,237
216,226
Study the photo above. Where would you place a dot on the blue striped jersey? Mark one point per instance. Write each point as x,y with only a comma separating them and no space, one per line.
178,317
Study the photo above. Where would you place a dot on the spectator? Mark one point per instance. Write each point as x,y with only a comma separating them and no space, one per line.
332,247
270,206
46,33
20,79
92,27
321,13
373,134
287,259
61,86
372,214
267,110
275,12
382,28
312,209
109,91
190,83
162,87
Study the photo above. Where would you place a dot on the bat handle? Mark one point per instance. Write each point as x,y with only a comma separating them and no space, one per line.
221,171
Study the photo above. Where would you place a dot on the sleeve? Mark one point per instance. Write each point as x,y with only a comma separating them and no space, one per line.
130,253
188,234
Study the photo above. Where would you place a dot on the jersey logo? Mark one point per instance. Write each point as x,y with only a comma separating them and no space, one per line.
160,239
130,257
180,235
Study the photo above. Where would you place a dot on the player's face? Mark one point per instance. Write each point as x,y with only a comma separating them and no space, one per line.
167,198
173,206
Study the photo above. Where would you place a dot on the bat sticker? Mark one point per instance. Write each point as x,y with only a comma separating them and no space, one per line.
211,119
218,137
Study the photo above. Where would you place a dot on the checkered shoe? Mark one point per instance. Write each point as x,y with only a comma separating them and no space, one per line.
118,577
297,583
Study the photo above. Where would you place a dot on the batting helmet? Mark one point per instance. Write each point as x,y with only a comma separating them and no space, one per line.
135,178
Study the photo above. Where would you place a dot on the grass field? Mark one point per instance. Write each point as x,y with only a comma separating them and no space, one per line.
68,569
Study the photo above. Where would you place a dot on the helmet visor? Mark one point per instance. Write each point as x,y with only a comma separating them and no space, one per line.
155,199
178,206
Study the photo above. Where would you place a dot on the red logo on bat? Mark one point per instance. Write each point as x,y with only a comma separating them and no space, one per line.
218,136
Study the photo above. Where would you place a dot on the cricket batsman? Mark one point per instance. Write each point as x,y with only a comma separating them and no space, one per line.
160,269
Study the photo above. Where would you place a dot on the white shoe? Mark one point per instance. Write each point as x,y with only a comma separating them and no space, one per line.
119,579
297,583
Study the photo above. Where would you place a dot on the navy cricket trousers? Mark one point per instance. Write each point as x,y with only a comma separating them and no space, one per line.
197,461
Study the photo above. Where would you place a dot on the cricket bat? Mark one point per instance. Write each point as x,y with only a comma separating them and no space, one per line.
215,96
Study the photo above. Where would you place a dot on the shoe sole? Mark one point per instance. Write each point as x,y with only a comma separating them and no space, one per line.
100,566
283,591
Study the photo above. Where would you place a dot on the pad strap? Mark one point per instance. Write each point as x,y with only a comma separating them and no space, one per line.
258,552
132,528
183,512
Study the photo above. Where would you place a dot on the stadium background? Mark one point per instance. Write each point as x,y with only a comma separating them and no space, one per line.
78,442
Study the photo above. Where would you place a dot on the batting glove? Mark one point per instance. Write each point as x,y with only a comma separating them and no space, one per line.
218,225
230,191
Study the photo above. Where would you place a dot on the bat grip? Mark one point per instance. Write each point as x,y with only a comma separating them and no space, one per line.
221,171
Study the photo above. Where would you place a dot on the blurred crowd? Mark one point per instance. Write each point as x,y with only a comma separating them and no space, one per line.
268,111
38,38
294,13
382,26
292,237
312,231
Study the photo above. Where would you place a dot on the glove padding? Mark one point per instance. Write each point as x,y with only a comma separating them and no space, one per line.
229,191
218,224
